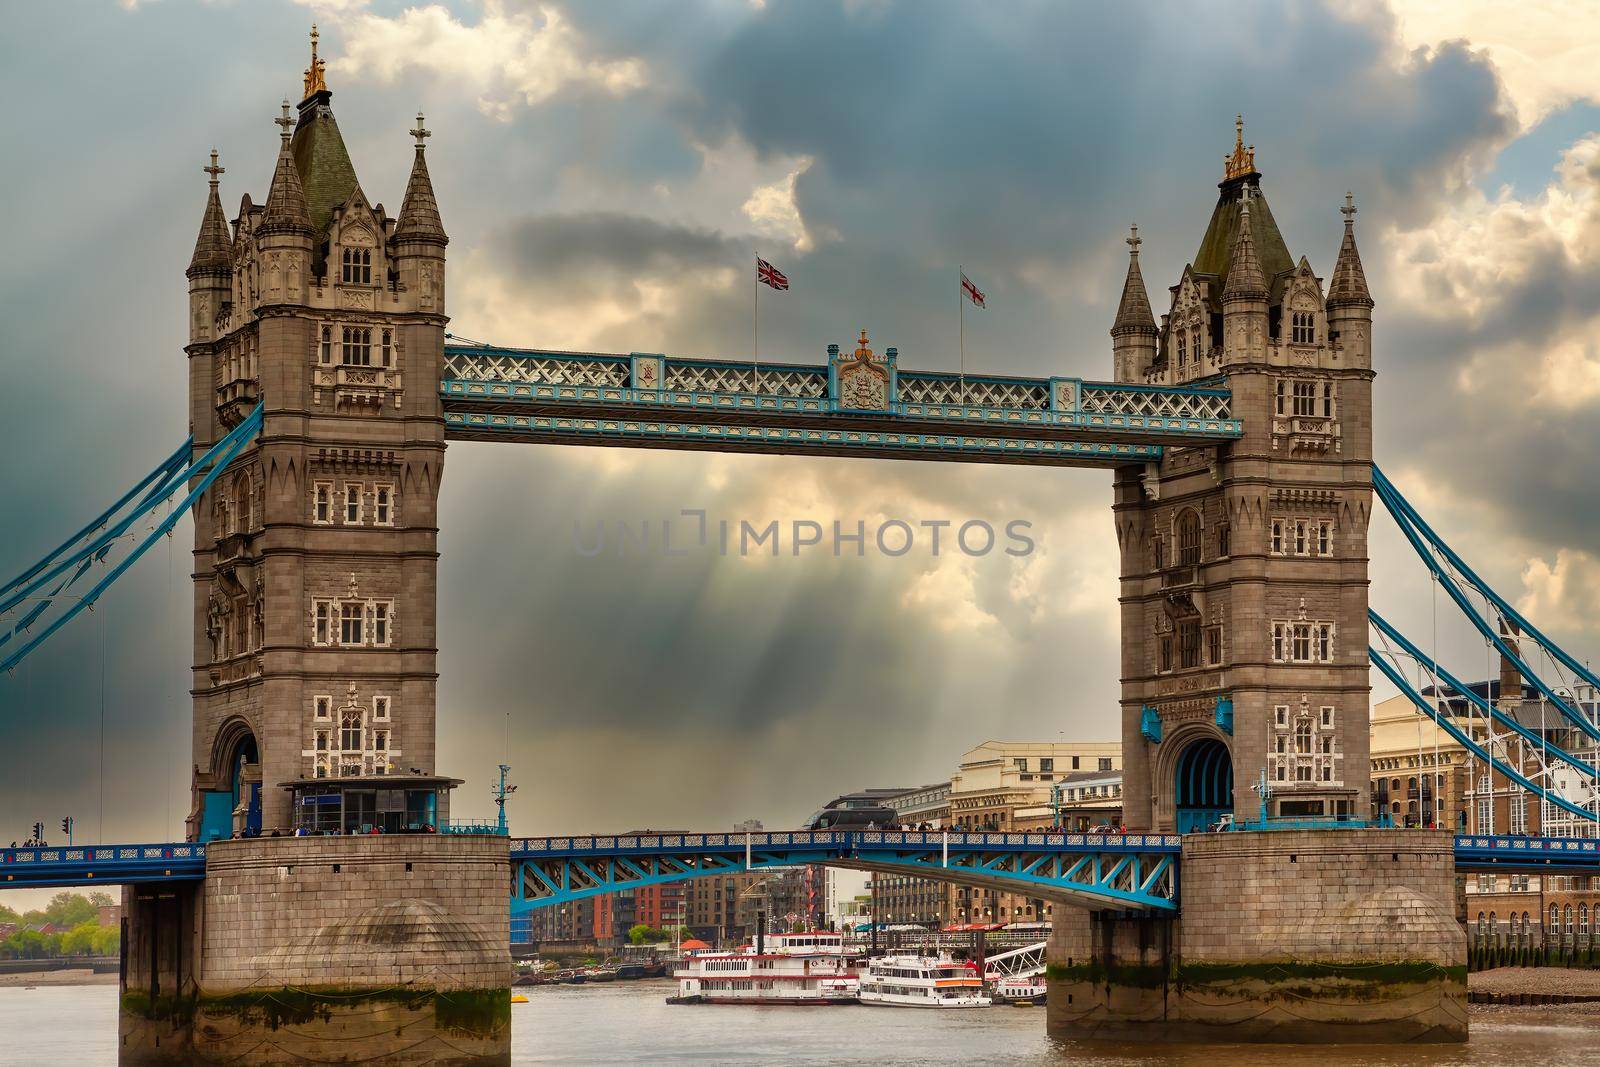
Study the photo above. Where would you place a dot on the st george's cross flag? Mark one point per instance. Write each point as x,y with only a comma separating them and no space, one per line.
767,274
972,292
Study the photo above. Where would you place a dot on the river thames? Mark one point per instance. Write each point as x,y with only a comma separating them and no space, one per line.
631,1023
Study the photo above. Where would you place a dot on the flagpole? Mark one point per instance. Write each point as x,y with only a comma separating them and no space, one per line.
961,319
757,363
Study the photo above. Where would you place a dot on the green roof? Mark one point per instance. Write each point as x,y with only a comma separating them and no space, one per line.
322,160
1216,248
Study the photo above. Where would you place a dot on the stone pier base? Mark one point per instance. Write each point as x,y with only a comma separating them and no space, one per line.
373,950
1293,936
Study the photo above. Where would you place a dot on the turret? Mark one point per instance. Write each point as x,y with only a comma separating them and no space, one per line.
1133,333
210,270
1349,302
1244,299
285,233
419,238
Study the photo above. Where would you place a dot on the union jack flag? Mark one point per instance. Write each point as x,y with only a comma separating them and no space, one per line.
767,274
972,292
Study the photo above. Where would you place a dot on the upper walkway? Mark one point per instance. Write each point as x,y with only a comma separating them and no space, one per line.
852,405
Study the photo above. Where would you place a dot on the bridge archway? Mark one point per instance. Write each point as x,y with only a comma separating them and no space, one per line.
1202,784
234,800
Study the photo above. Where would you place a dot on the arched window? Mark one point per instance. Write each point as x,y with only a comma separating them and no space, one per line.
1302,737
325,351
356,266
356,350
1555,919
1482,927
1183,349
1188,537
1305,328
350,731
1566,917
244,513
1411,784
1583,920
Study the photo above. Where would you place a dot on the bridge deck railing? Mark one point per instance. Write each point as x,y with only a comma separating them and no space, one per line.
847,839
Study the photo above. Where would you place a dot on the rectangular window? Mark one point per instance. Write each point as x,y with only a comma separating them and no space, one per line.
1279,642
352,503
1224,540
1302,771
356,347
1281,398
1020,764
322,508
1105,763
1047,764
356,266
1327,400
1189,643
1301,652
383,505
1324,538
1214,645
1305,399
380,622
1277,537
322,614
388,348
1327,718
350,623
324,706
380,708
1164,647
325,348
1324,649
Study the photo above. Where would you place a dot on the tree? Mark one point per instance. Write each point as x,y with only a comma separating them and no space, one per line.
70,909
644,934
101,900
79,941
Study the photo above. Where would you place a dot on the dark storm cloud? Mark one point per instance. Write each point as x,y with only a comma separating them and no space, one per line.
1018,139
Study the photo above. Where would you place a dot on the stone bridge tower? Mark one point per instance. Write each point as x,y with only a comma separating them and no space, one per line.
1244,567
315,553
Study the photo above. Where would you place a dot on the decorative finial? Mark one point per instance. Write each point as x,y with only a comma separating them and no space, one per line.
1243,159
419,133
1349,209
861,346
1238,119
315,82
214,170
284,122
1134,241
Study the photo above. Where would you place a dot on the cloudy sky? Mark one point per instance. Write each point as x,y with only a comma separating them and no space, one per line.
606,172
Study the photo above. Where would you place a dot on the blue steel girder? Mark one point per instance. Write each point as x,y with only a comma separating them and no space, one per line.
1133,872
652,401
81,865
1483,852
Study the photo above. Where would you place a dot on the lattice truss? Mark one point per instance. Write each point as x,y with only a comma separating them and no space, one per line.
1019,962
980,392
1547,744
693,376
1122,871
550,368
1163,403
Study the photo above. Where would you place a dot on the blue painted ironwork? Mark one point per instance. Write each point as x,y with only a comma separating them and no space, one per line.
1416,530
94,864
1134,872
1224,715
1150,724
206,469
1484,852
648,399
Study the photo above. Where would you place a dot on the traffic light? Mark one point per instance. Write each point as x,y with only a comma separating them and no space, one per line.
38,831
66,825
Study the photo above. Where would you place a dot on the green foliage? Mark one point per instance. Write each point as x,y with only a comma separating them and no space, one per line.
78,914
644,934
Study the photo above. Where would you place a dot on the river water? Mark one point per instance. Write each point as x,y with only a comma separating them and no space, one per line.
629,1022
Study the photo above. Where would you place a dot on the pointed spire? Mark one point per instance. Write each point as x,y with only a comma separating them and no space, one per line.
316,81
212,249
1349,285
1245,281
419,211
286,199
1133,311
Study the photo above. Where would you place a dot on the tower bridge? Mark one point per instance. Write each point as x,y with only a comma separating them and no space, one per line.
1238,430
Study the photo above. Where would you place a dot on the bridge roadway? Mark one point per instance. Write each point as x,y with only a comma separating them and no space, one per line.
853,405
1119,871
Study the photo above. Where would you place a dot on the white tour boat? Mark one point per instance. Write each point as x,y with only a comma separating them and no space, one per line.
791,972
922,982
1021,990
